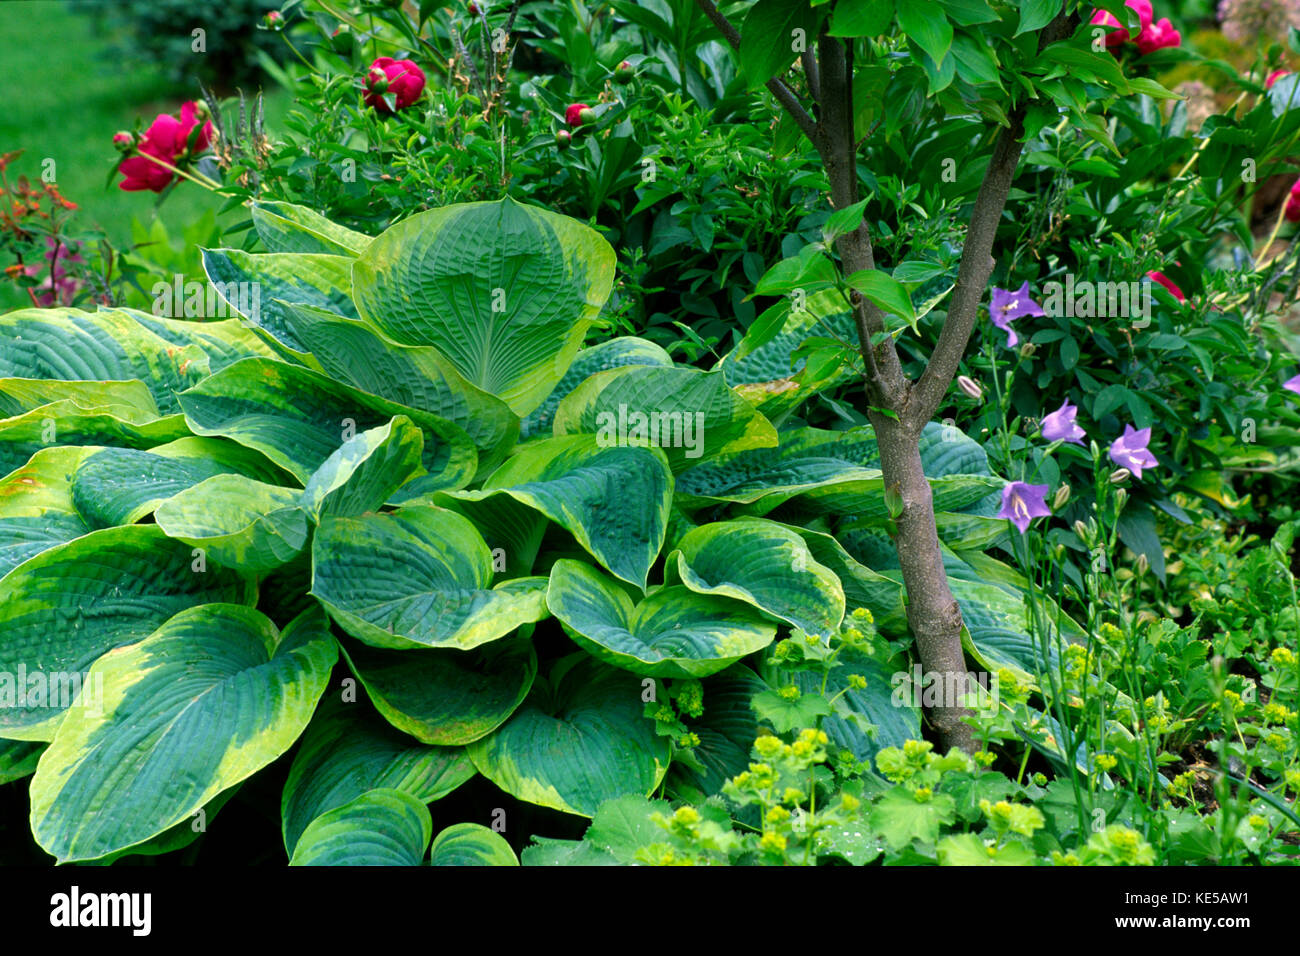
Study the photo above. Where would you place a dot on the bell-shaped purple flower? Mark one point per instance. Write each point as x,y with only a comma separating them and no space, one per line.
1130,450
1021,503
1292,384
1007,306
1061,426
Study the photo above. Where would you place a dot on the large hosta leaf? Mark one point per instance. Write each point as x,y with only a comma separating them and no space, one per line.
613,353
764,564
72,345
224,341
447,697
37,510
419,376
417,577
254,285
18,759
115,486
208,699
237,522
66,423
66,607
675,632
727,730
505,291
130,401
366,470
287,227
580,739
298,418
615,501
688,413
383,827
347,751
471,844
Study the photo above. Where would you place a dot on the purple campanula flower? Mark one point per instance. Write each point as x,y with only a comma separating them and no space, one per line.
1292,384
1022,502
1130,450
1061,426
1007,306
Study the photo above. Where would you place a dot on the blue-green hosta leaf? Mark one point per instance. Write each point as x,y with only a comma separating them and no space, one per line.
254,284
614,501
764,564
37,510
65,423
614,353
72,345
65,608
365,471
349,750
505,291
447,697
688,413
727,730
513,530
237,522
288,227
471,844
298,418
131,401
580,739
116,486
675,632
807,458
380,828
18,759
204,702
224,341
353,352
417,577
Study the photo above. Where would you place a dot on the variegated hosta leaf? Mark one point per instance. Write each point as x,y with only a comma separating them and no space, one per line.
348,750
353,352
130,401
379,828
863,587
254,284
675,632
224,341
237,522
417,577
614,353
688,413
63,609
72,345
513,530
116,486
614,501
471,844
208,699
18,759
447,697
505,291
298,418
65,423
287,227
37,510
764,564
727,730
580,739
366,470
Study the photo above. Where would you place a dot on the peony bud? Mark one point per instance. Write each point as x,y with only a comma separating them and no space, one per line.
623,73
1062,496
562,138
124,140
587,116
273,20
970,387
1118,475
573,113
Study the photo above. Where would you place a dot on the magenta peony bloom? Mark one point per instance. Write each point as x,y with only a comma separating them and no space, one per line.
1168,283
1060,425
1115,38
1021,503
1292,384
1274,77
167,139
402,78
1292,210
1006,307
573,115
1157,36
1130,450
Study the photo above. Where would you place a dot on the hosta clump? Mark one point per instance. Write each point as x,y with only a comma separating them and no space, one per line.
388,515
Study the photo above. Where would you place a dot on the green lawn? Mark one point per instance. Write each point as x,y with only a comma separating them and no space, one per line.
63,101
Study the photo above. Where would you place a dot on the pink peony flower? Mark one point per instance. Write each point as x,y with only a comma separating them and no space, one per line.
1274,77
573,115
1158,36
1168,283
1116,37
167,139
402,78
1292,210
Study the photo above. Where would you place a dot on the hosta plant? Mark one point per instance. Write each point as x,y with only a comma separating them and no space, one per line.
392,523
